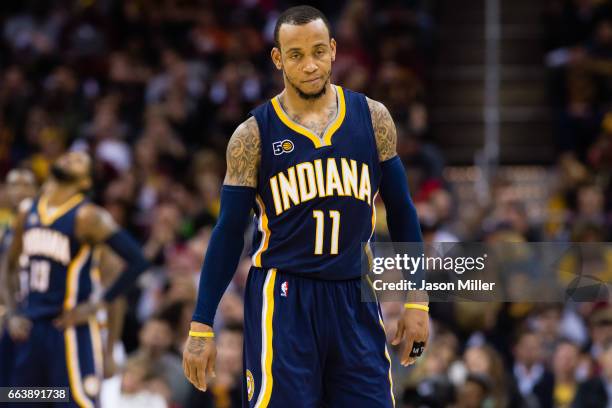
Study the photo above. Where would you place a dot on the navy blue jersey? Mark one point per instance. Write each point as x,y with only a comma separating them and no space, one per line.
315,197
58,264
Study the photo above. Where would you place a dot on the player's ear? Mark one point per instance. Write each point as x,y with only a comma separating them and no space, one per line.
276,58
332,45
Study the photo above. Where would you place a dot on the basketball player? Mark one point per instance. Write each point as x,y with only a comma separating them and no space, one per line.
20,188
311,162
61,346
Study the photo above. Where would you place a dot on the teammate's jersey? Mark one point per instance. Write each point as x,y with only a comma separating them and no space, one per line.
315,197
58,267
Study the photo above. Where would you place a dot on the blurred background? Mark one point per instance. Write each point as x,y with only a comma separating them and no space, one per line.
504,117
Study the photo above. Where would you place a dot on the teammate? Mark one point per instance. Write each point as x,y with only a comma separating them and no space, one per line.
20,188
60,346
311,162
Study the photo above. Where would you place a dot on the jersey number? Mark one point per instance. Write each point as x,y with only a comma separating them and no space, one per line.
39,276
319,217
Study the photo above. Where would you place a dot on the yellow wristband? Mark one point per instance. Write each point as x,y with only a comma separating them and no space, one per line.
416,306
201,334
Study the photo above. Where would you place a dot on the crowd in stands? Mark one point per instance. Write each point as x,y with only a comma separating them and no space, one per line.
153,89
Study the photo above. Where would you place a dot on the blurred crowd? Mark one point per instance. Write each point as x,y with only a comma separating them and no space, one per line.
154,88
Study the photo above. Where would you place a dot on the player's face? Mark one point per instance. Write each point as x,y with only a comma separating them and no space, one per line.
305,57
73,168
20,184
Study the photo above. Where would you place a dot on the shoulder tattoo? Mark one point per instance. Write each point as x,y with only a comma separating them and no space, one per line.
243,155
384,130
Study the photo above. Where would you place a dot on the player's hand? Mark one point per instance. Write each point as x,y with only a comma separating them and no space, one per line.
199,357
77,315
412,332
19,327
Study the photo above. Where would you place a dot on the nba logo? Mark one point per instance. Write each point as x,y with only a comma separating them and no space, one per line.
284,288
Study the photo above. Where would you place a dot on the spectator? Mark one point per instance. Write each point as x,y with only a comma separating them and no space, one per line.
156,341
600,323
474,392
594,393
564,367
134,387
534,381
485,361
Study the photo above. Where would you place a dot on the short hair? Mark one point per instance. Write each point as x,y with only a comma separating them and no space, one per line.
299,15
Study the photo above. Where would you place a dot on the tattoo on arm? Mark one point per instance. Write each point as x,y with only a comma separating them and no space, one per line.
196,345
243,155
384,130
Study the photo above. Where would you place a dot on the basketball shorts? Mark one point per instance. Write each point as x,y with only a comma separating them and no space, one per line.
61,358
312,343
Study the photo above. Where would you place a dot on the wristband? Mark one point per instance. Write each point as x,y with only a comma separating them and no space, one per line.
416,306
201,334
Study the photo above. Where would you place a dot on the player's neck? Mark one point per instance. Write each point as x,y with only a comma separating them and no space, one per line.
58,194
294,103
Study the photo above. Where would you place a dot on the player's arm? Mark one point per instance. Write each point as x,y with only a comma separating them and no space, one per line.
9,265
224,250
95,226
402,222
110,265
402,219
18,326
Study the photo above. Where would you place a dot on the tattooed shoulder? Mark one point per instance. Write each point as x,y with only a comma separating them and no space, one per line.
243,155
384,130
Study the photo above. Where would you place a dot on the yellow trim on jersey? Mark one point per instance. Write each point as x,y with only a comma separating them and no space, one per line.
329,131
339,118
74,371
96,274
263,227
72,278
267,313
382,324
43,210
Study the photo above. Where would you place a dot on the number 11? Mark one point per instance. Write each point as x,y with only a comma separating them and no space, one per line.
319,217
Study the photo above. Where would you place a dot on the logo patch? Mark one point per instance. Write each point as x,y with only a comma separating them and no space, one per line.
285,146
284,289
250,383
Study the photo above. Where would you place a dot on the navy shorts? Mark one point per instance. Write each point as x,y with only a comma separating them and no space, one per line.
313,343
61,358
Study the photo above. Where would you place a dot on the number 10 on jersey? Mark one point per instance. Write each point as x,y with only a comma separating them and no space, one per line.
319,217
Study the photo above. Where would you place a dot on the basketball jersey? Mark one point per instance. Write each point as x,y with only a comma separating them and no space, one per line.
58,265
314,204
